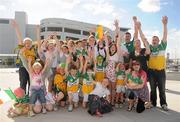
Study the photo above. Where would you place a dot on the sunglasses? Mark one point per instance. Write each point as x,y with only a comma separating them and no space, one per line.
136,64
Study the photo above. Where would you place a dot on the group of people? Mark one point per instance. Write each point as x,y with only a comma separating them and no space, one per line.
101,74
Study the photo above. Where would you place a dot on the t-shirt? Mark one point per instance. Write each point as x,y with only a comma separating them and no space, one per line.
82,52
137,79
53,56
73,83
60,83
120,76
100,91
36,81
114,58
101,52
88,84
157,59
130,48
62,57
142,58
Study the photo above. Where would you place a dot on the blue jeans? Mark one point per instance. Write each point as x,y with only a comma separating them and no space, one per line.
157,78
37,94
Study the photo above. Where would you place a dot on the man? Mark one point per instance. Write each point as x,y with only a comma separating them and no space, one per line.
157,75
129,45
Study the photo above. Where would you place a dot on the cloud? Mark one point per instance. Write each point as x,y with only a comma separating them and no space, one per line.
2,8
91,11
149,5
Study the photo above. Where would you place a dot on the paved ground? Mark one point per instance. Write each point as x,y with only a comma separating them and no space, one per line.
9,78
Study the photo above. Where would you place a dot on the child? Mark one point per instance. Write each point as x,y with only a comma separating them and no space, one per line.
21,106
99,68
100,60
37,86
99,99
120,85
73,83
80,50
88,81
60,86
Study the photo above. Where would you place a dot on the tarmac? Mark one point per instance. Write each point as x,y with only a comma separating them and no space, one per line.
9,78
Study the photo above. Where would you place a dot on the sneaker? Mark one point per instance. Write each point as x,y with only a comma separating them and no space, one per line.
70,108
116,105
31,114
164,107
44,111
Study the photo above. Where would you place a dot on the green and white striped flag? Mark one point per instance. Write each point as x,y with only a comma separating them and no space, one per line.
6,95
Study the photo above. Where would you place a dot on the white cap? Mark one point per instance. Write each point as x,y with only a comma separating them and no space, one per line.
51,41
27,38
37,63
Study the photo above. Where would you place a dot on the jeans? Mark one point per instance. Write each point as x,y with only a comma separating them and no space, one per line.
37,94
157,78
24,78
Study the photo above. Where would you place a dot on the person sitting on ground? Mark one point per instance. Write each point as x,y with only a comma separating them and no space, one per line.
99,99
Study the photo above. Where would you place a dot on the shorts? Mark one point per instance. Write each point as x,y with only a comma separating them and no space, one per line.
75,96
131,94
120,89
37,94
85,97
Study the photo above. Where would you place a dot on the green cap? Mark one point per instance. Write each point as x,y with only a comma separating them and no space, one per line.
62,65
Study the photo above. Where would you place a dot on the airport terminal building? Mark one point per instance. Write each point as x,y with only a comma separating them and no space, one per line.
63,27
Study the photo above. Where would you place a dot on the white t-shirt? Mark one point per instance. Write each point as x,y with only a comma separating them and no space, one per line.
54,57
100,90
101,52
114,58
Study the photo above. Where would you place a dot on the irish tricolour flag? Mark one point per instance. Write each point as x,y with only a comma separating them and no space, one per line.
99,32
6,95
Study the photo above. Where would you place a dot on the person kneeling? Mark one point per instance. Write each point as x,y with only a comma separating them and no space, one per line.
99,99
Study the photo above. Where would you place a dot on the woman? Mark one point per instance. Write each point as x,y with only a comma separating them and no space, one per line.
136,82
112,60
141,54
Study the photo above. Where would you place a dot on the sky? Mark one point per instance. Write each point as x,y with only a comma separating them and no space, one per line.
149,13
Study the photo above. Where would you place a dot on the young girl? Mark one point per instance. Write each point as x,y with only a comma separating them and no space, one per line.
112,60
60,85
88,81
80,50
120,85
37,86
73,83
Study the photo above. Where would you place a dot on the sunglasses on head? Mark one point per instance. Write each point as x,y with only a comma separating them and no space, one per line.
136,64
